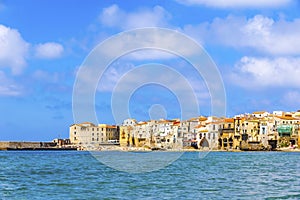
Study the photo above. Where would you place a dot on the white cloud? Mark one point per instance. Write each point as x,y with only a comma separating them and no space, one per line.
114,74
8,87
150,44
113,16
260,33
49,50
13,49
237,3
259,73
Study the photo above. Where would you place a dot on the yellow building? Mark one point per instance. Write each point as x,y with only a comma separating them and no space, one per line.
227,139
126,136
252,129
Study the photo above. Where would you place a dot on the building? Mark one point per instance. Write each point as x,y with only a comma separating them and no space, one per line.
226,134
126,137
90,136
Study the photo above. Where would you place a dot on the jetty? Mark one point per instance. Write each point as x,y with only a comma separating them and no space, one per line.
55,145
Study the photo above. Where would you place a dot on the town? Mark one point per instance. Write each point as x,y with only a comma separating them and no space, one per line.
257,131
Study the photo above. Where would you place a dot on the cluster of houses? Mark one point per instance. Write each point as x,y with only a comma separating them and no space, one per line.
257,131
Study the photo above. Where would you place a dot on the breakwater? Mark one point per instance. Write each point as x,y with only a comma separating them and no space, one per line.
10,146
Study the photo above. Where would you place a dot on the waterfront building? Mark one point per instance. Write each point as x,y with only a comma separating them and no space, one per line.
142,134
264,132
91,136
287,128
256,131
207,133
226,134
213,125
166,134
126,137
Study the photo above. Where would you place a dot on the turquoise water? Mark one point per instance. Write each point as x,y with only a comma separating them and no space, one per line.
220,175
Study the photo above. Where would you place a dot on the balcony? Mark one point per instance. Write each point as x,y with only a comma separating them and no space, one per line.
226,130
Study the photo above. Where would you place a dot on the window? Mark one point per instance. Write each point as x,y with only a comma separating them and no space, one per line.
92,139
74,132
97,129
75,127
75,138
92,129
214,136
92,134
214,127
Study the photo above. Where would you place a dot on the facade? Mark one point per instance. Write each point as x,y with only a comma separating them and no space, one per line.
226,134
89,135
256,131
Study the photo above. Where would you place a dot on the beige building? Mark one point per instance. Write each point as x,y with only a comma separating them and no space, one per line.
89,135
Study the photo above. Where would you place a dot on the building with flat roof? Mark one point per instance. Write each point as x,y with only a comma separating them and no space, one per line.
89,135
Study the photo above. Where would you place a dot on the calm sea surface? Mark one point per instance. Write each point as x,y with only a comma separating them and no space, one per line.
220,175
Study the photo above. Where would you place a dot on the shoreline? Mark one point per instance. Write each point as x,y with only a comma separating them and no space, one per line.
146,151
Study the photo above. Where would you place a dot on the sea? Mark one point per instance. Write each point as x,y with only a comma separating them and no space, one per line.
215,175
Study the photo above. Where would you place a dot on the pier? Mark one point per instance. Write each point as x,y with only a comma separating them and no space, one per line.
38,146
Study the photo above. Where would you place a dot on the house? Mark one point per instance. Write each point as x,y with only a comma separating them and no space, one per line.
226,134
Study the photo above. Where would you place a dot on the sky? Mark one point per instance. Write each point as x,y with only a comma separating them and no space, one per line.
43,45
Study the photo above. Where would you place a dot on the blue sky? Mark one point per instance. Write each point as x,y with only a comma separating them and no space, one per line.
255,46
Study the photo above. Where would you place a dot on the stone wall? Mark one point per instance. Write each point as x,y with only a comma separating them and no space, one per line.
19,145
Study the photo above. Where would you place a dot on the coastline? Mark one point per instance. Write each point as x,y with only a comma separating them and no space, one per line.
137,149
50,146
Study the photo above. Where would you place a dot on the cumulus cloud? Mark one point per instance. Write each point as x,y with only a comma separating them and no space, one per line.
49,50
9,87
115,17
259,73
261,33
115,73
13,49
237,3
112,75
